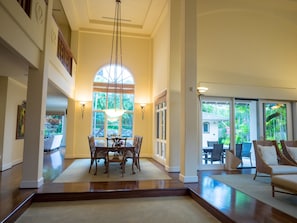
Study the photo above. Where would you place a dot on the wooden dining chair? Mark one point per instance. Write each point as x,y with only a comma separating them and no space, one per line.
94,154
137,142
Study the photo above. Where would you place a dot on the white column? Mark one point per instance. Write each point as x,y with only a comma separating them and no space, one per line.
34,119
32,176
189,105
174,88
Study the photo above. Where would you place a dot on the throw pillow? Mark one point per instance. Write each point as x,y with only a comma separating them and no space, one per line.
268,154
293,152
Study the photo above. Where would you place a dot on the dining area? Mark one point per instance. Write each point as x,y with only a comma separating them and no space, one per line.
115,151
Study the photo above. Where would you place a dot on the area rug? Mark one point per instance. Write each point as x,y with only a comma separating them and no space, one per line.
261,190
173,209
78,171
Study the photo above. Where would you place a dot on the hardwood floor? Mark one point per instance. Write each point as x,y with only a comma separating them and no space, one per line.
13,201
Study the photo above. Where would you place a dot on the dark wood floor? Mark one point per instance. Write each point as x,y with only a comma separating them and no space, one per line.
13,201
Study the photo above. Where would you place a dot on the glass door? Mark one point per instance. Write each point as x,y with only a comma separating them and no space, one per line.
245,130
215,130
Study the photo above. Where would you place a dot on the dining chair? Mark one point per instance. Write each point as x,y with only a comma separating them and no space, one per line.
94,154
217,153
137,142
246,151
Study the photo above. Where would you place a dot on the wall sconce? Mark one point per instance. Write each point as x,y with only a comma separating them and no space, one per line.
201,90
83,106
142,110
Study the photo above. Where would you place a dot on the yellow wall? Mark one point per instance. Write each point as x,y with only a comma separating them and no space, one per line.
161,51
93,53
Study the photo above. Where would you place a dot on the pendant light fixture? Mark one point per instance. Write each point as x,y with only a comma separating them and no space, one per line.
115,84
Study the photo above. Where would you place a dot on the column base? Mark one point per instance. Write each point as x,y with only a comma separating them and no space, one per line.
188,179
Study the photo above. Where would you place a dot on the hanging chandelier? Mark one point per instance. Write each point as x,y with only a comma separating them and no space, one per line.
115,84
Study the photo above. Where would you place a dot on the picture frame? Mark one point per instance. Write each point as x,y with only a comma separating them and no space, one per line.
20,128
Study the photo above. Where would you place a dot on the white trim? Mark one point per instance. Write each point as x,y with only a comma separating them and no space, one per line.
6,166
172,169
188,179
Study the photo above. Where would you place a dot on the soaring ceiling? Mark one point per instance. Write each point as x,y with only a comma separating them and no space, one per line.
138,16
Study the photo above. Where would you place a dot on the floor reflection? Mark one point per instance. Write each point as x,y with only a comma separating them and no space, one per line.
53,164
225,198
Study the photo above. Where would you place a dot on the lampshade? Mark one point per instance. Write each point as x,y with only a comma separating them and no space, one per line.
114,113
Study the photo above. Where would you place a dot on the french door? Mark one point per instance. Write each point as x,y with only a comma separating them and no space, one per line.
239,121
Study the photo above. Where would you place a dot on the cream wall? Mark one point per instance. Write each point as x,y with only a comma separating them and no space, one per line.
93,53
25,34
161,55
12,148
244,52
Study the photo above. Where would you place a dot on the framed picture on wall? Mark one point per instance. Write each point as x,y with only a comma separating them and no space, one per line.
20,128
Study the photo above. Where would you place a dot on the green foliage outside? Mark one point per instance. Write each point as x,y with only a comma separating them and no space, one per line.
275,121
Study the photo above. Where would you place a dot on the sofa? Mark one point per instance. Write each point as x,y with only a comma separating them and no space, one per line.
52,143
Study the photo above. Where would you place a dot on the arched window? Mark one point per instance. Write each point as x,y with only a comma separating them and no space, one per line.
103,127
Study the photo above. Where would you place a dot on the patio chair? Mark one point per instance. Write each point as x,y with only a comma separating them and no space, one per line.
217,153
289,149
246,151
269,159
238,151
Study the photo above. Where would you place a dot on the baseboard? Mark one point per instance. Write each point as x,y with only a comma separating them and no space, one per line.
31,183
188,179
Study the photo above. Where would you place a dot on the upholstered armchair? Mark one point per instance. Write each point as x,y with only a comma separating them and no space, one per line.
289,148
270,160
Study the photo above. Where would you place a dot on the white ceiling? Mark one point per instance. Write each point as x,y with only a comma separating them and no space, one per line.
139,17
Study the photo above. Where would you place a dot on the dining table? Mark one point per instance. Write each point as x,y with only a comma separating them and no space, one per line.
119,156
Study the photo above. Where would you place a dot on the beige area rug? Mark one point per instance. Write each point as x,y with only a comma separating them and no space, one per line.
175,209
261,190
78,171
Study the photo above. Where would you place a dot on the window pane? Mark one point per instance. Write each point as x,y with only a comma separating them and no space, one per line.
158,125
114,100
127,125
242,122
98,124
275,121
53,125
112,128
99,100
128,102
108,72
205,127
